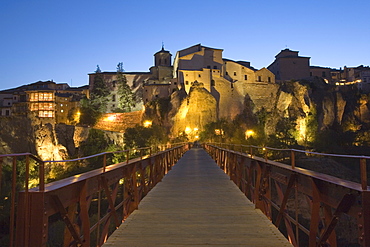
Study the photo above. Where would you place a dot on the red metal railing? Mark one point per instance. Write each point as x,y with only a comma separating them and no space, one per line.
85,209
310,208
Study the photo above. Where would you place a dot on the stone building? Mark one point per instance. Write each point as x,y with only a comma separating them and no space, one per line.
227,81
43,99
289,66
323,72
146,85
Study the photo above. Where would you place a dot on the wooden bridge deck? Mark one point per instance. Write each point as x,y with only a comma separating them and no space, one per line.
196,204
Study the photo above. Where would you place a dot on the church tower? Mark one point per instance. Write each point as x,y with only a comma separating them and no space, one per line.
162,58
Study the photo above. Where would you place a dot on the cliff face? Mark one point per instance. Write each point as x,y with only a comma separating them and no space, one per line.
194,112
44,138
310,105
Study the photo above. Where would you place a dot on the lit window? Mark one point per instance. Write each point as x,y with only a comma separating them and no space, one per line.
61,110
46,113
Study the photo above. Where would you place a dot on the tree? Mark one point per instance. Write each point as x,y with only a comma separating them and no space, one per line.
140,136
126,98
92,108
99,92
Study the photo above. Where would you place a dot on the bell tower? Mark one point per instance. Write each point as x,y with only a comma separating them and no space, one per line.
162,58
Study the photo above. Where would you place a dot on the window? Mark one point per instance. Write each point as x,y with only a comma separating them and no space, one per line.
113,83
187,82
323,74
113,97
61,110
208,67
245,77
234,73
215,67
227,73
231,85
212,83
46,113
259,78
113,106
269,79
165,61
310,73
7,112
199,75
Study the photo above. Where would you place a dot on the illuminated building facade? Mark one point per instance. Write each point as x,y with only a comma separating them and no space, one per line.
42,99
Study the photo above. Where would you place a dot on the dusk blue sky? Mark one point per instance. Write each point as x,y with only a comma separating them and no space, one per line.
65,40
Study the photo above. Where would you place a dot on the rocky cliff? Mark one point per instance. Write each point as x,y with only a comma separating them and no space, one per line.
44,138
311,106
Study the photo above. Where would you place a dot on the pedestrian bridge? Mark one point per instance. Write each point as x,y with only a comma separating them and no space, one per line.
215,195
196,204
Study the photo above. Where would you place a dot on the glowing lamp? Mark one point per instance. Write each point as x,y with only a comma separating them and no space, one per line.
187,130
147,123
248,133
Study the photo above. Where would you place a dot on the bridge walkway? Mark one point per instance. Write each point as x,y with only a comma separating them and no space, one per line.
196,204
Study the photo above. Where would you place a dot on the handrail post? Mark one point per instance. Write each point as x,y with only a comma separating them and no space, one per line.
104,162
127,155
13,196
42,176
363,174
1,171
292,158
265,155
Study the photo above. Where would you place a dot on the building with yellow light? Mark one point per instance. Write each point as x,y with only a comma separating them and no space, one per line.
46,99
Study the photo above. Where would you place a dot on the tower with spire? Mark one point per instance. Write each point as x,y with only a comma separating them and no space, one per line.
162,57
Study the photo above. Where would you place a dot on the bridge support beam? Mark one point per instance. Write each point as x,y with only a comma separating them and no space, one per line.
33,229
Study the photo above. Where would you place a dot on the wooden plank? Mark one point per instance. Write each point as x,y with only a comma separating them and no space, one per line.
196,204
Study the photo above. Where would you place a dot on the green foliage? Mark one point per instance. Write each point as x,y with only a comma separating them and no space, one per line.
96,142
284,134
140,136
164,106
312,127
99,89
92,108
334,141
89,112
126,98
